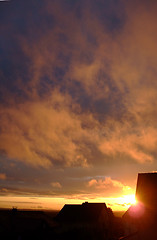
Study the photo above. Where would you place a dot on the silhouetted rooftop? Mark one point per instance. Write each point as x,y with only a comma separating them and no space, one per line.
82,213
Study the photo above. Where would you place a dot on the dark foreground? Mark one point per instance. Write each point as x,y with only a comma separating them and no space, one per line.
43,225
21,225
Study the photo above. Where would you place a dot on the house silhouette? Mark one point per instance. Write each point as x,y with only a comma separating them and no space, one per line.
86,220
87,212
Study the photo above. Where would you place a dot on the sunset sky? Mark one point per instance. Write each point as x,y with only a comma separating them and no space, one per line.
78,100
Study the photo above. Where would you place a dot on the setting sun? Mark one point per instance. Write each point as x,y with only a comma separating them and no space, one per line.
129,199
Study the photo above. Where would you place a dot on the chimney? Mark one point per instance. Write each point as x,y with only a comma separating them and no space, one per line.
85,203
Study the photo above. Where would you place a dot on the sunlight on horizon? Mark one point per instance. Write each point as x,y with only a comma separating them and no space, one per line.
130,199
116,204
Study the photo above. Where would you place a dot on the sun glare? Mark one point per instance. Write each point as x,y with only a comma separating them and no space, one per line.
129,199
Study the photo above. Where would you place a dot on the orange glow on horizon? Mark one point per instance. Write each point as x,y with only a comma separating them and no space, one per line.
48,203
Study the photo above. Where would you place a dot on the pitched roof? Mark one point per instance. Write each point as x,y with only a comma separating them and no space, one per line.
87,212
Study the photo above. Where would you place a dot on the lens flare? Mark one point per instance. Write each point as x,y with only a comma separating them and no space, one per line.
137,210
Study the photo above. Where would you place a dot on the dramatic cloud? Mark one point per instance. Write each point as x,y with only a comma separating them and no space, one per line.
44,132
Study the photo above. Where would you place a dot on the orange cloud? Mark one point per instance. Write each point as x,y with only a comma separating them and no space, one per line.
3,176
108,187
137,146
107,183
56,185
43,133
